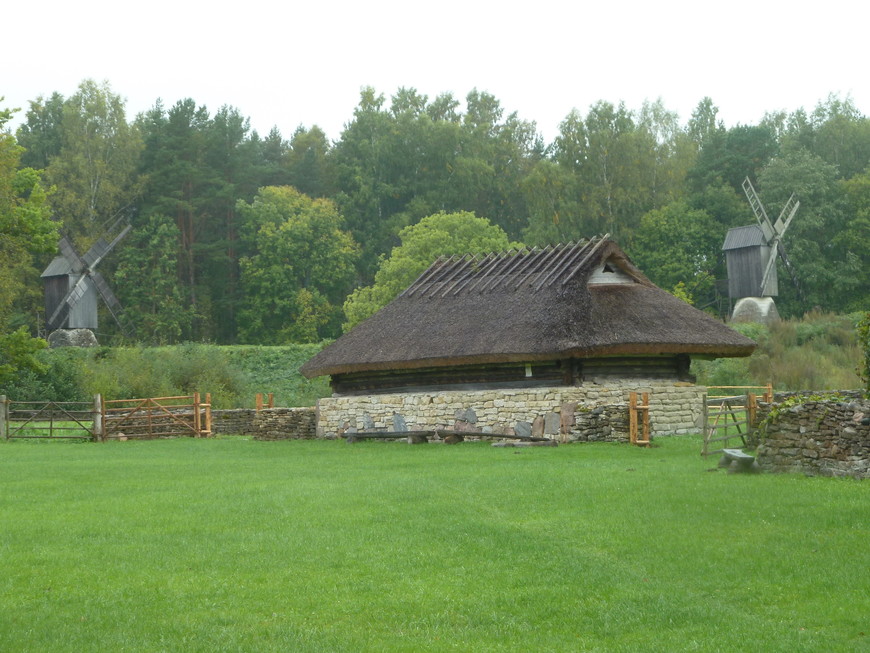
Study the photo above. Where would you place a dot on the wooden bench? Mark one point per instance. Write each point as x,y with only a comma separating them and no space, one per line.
422,437
738,461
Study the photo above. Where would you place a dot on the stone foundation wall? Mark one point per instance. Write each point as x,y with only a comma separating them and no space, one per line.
267,424
818,437
589,412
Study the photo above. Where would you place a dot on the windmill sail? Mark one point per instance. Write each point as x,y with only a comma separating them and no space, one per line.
73,285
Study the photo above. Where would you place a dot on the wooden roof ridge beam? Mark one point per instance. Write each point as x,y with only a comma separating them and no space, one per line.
571,256
487,263
579,266
511,262
427,275
518,263
455,268
525,261
540,265
472,269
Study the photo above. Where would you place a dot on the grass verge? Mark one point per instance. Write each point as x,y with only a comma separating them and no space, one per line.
236,545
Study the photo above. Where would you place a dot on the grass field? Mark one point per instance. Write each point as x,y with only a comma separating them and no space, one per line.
237,545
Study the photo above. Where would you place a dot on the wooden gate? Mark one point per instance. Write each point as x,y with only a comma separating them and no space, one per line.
730,417
52,420
162,417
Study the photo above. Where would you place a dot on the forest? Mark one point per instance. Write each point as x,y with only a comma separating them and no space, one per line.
266,239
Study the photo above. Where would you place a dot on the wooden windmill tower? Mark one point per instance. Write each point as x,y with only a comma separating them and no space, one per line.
751,253
73,284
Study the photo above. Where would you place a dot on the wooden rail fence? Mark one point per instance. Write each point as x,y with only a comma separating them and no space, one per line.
163,417
117,419
51,420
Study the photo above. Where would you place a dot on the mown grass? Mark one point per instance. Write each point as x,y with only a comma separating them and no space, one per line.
236,545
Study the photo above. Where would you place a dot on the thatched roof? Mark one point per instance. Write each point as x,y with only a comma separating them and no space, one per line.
577,300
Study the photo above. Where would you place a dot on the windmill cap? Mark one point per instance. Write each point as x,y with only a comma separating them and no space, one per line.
748,236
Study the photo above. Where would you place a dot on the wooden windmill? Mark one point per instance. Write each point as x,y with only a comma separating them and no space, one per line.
72,283
751,251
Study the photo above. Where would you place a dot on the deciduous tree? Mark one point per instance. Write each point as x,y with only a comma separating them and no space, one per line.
300,269
421,243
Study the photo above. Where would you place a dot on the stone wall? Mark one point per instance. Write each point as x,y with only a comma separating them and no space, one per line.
233,422
267,424
592,411
828,437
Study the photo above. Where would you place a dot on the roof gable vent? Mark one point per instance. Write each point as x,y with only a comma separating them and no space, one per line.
609,272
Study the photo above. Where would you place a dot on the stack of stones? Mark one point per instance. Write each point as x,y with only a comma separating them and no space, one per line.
817,437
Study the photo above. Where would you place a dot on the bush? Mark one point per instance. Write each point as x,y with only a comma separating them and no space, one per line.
57,377
816,352
863,330
233,375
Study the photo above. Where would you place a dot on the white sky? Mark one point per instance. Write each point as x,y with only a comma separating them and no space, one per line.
288,63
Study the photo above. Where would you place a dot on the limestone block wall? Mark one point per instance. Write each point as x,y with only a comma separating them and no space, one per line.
819,437
592,411
267,424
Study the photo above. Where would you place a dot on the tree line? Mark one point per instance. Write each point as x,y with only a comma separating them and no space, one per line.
246,238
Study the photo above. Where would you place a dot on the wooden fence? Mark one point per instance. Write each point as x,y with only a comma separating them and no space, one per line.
265,401
119,419
50,420
638,419
163,417
730,417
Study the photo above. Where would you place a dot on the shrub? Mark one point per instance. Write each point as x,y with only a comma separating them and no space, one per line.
815,352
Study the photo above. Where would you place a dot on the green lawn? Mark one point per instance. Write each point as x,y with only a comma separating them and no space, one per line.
237,545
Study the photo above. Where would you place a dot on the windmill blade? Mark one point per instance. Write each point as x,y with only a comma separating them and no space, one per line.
758,210
96,253
790,208
109,298
100,248
769,268
71,255
69,301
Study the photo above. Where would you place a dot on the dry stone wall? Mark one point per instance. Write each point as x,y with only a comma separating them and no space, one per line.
827,437
570,413
267,424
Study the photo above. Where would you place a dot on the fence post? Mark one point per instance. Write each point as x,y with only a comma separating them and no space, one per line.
4,417
97,429
259,403
705,426
768,396
208,414
751,407
197,422
271,400
632,417
646,437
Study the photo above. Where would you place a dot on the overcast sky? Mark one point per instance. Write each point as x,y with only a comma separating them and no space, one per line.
289,64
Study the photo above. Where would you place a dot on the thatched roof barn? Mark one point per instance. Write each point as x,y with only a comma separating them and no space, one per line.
552,315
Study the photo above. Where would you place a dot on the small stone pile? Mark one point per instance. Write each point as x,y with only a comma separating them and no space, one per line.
826,437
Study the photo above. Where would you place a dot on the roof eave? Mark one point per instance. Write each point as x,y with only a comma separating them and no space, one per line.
626,349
